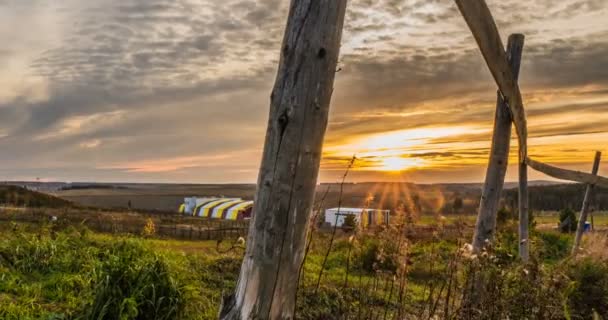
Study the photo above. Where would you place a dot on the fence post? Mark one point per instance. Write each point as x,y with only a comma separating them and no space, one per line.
524,234
299,108
583,217
499,155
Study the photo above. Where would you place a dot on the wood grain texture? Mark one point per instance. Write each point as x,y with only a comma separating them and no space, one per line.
499,156
299,106
570,175
585,208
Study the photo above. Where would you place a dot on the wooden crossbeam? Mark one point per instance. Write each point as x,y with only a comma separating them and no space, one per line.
479,19
565,174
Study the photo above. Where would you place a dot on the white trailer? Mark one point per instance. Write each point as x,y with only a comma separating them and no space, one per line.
364,217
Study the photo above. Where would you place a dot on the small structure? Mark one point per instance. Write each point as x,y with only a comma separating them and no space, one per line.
364,217
217,208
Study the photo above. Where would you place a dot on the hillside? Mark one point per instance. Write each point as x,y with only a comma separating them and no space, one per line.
18,196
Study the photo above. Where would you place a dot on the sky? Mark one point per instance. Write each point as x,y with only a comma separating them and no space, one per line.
178,90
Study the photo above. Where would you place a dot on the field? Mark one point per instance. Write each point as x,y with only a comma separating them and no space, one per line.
58,271
69,261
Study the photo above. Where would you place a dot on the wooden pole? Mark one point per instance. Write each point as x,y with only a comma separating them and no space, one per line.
570,175
299,107
499,156
524,219
481,23
479,19
584,210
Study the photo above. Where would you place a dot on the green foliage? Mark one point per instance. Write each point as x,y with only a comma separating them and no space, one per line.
134,283
76,274
567,221
350,222
375,255
79,275
552,246
588,293
503,216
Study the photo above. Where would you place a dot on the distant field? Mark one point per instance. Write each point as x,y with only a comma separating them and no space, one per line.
167,197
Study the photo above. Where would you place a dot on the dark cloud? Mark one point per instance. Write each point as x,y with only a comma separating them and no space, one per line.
192,77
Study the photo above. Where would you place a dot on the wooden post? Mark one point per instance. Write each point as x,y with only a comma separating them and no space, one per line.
479,19
583,217
499,156
299,107
524,219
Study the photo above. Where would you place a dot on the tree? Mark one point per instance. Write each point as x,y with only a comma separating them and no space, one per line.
299,107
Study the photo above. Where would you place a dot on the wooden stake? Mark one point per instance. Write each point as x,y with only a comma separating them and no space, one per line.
299,106
583,217
524,218
499,156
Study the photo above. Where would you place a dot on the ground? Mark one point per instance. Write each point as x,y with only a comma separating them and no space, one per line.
52,271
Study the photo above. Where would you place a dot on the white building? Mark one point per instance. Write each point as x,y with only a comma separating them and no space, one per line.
364,217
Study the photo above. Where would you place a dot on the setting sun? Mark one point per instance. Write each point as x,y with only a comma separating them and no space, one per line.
399,163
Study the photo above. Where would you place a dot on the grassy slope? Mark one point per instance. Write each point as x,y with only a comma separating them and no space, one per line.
17,196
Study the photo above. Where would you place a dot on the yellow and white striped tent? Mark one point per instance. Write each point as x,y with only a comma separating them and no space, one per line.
223,208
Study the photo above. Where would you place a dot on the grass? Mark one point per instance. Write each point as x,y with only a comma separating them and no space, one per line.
78,274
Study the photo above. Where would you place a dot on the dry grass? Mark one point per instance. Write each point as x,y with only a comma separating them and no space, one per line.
595,245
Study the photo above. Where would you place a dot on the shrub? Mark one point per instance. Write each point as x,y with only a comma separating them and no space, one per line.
134,283
377,255
350,222
553,246
503,216
567,221
589,291
149,229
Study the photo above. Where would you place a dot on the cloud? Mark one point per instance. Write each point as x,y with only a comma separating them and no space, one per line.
113,88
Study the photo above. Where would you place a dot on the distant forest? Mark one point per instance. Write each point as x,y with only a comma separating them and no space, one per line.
557,197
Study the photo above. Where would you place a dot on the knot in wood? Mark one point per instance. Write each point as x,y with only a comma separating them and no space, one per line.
322,53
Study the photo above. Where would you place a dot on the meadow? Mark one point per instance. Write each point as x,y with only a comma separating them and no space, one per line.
150,265
57,271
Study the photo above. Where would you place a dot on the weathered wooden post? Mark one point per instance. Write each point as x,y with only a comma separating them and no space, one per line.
584,210
524,217
499,156
479,19
299,106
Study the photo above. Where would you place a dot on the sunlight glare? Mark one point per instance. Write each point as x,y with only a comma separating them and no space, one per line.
399,163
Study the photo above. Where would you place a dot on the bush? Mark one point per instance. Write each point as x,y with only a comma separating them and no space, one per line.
134,284
567,221
375,255
350,222
503,216
589,291
553,246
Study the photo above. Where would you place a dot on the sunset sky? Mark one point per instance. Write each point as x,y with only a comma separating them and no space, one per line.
178,90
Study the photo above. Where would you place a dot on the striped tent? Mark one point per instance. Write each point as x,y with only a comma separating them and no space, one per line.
223,208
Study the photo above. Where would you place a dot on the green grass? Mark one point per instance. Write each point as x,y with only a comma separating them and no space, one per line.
78,274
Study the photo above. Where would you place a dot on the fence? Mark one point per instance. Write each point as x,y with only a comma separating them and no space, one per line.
165,225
